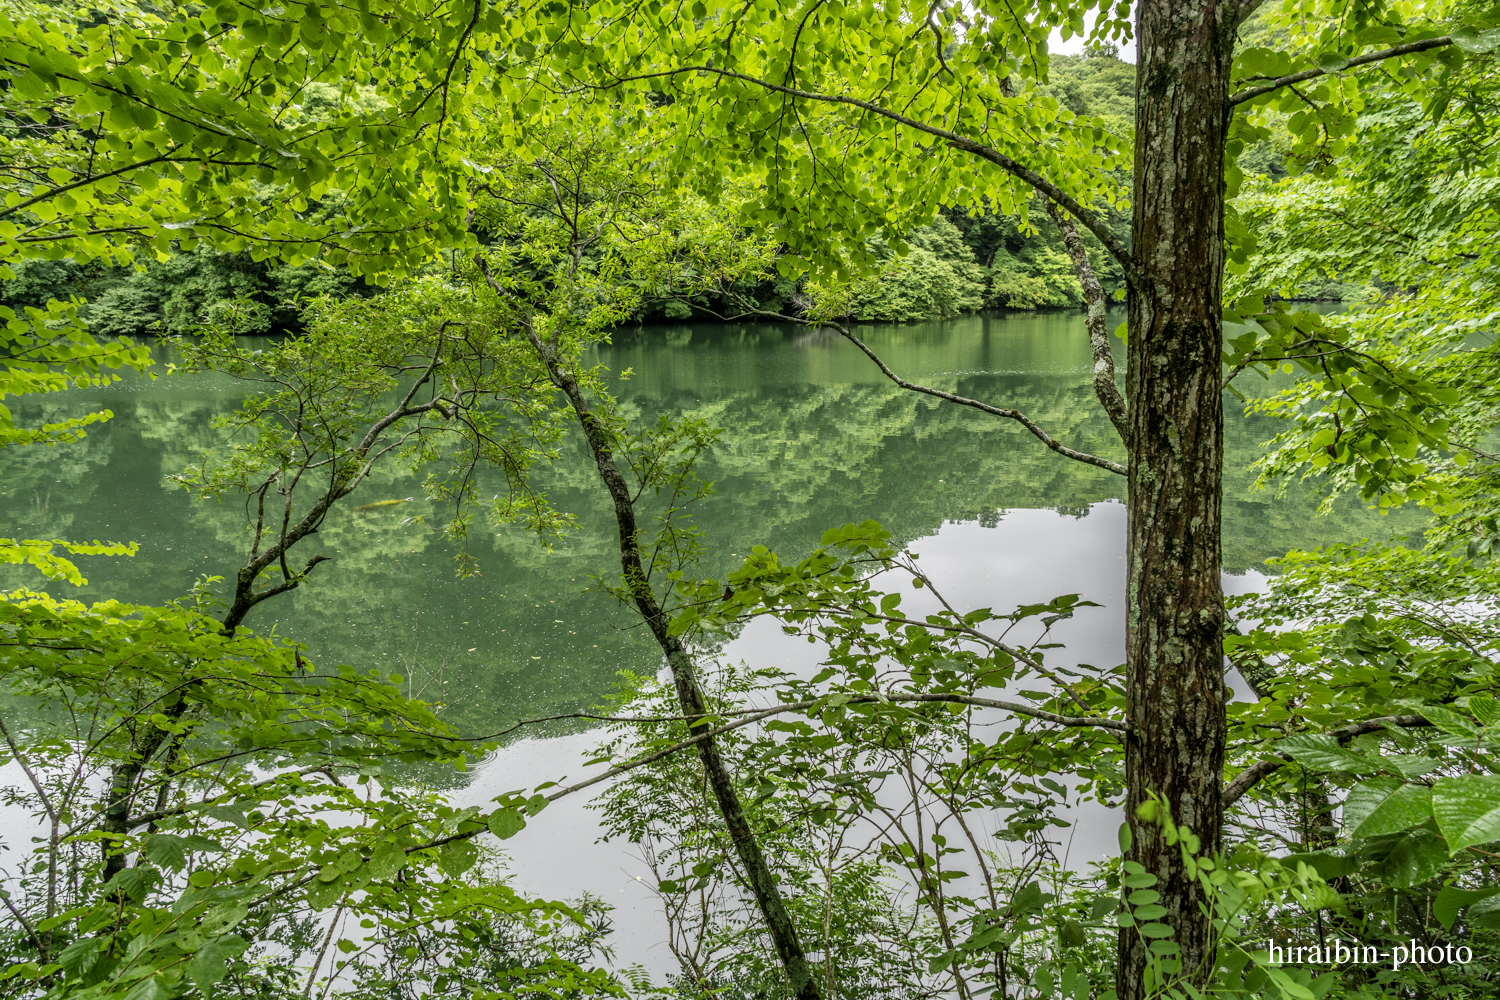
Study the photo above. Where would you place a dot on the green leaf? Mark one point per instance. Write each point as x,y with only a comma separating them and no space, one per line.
166,850
150,988
506,823
1365,797
1471,39
457,857
234,814
1288,986
1485,913
1409,765
1332,62
1448,721
133,883
1467,809
80,956
1322,752
1326,863
1071,934
1486,710
1405,807
321,895
1029,899
1452,899
1416,858
211,963
386,861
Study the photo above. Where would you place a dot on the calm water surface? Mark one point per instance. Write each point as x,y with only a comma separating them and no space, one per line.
813,437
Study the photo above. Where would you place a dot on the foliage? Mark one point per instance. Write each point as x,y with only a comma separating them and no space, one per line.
1392,630
273,799
365,385
44,350
1042,277
162,128
199,143
886,760
1394,398
835,170
1406,640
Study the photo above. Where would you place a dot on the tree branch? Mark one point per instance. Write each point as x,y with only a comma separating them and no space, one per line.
1018,170
1093,294
1067,721
1249,777
998,411
1369,57
30,930
20,758
161,814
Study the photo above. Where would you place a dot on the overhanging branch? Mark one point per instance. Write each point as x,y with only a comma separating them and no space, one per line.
1090,220
1252,93
1249,777
998,411
1066,721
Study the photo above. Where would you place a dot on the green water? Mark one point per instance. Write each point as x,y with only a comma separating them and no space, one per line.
813,437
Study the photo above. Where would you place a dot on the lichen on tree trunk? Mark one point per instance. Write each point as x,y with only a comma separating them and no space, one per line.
1175,618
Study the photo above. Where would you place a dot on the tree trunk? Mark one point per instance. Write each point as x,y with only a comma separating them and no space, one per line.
684,670
1175,618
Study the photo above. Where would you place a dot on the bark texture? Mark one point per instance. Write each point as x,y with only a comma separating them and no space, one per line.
1174,629
1093,297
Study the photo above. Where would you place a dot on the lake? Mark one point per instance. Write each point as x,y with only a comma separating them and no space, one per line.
814,437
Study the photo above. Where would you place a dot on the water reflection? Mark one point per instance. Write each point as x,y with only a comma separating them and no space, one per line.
814,437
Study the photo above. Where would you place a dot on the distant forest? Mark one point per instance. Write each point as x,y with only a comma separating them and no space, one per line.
961,263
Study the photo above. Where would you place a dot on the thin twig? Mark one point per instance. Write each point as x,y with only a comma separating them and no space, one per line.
998,411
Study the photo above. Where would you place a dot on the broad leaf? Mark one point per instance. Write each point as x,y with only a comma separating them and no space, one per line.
80,956
506,823
1452,899
1365,797
1448,721
166,850
1416,858
1327,864
211,963
1486,710
1406,807
1468,809
134,883
1322,752
386,861
457,857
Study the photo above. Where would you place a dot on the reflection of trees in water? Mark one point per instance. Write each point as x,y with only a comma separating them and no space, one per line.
812,439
